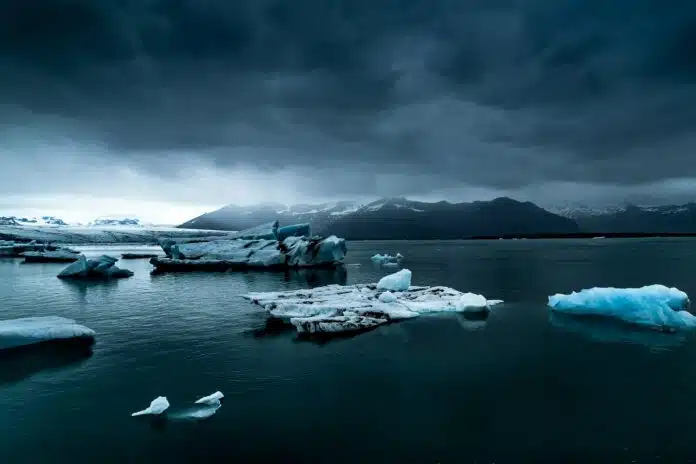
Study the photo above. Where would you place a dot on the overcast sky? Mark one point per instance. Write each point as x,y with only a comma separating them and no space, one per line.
167,108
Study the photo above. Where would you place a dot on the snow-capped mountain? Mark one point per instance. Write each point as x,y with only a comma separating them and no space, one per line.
577,211
396,218
34,221
109,221
233,217
633,218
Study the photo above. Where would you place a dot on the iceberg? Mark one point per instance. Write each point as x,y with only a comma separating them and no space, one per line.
100,268
62,255
387,260
397,282
157,407
15,333
655,306
221,255
211,399
352,308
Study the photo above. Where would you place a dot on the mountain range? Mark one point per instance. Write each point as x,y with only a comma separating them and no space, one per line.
400,218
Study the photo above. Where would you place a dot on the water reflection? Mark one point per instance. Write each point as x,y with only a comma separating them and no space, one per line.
21,363
82,287
272,327
472,321
318,277
608,331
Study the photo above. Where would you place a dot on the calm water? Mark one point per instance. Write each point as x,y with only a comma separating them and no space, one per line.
520,386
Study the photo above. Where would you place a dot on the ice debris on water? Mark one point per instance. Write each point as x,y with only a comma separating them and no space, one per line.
24,331
654,306
211,399
352,308
203,408
397,282
103,267
387,260
157,407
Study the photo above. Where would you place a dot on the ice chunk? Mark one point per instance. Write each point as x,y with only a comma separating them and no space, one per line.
258,253
61,255
339,308
387,260
397,282
211,399
387,297
157,407
99,268
295,230
472,302
15,333
652,305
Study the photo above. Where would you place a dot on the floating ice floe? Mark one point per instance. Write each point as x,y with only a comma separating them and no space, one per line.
11,249
62,255
203,408
157,407
351,308
15,333
211,399
291,251
387,260
99,268
653,306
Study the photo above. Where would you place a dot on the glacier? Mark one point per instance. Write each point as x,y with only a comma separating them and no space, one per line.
654,306
293,251
15,333
354,308
102,267
51,233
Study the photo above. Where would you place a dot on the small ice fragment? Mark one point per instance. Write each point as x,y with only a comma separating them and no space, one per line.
397,282
157,406
211,399
472,302
387,297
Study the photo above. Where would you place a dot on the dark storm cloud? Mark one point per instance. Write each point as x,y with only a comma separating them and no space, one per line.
499,94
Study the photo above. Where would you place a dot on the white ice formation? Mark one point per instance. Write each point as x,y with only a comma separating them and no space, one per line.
387,260
397,282
157,407
654,306
15,333
338,308
51,233
211,399
61,255
253,253
99,268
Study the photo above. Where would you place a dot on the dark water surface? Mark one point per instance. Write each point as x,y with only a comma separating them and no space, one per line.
519,387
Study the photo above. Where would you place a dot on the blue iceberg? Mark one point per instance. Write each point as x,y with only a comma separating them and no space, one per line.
653,306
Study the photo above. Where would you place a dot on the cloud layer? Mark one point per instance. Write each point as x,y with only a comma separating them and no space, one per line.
328,98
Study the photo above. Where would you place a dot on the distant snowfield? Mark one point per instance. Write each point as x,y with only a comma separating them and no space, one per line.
101,234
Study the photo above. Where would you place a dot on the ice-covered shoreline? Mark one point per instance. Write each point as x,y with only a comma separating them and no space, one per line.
103,235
